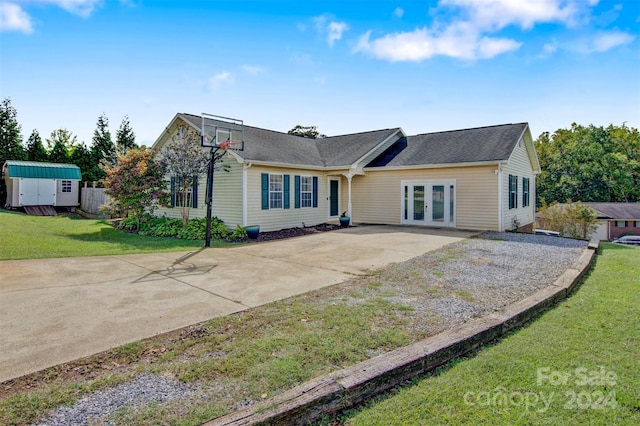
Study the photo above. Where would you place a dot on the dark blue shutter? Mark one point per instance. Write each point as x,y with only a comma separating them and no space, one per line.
285,192
195,193
173,191
297,191
315,191
265,191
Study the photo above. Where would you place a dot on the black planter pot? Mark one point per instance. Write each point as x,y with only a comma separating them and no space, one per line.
253,231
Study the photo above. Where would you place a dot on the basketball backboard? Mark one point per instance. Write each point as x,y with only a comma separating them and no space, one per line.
222,132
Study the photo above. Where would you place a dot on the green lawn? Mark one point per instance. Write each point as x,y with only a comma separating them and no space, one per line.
34,237
579,364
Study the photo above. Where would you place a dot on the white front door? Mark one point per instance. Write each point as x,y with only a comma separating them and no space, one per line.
429,202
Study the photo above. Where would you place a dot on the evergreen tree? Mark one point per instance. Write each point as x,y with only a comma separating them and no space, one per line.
59,143
103,150
125,138
10,139
81,157
35,148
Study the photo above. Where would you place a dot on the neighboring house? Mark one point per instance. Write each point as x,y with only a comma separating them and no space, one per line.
31,183
481,178
616,220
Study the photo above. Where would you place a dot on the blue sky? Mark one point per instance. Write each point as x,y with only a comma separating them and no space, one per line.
344,66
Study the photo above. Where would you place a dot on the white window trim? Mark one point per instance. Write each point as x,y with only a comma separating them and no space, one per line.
309,192
281,192
66,186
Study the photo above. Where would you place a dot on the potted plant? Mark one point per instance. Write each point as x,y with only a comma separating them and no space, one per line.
253,231
344,220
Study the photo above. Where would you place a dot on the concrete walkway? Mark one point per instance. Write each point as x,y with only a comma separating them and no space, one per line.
57,310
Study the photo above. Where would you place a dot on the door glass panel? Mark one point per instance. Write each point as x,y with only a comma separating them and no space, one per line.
406,202
418,202
451,199
437,203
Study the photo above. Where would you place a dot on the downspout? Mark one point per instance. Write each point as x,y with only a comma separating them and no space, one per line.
245,166
500,199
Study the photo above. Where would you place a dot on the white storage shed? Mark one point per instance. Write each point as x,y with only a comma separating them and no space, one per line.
31,183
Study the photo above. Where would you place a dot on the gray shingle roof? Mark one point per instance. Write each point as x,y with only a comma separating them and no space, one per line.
493,143
282,148
622,211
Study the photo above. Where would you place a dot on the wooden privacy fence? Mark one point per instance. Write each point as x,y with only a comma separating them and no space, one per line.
92,198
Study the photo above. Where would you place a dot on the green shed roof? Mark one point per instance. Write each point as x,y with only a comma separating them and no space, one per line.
34,169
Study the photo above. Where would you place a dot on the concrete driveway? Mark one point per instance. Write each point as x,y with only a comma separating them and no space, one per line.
57,310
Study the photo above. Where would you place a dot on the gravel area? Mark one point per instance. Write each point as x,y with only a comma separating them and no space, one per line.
142,391
470,279
433,292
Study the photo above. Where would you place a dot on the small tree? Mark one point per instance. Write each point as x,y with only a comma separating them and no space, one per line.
185,161
136,182
125,138
306,132
35,148
574,220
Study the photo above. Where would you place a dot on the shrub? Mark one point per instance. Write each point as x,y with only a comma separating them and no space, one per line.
239,233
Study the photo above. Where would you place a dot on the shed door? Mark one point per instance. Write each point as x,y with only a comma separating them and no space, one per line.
37,192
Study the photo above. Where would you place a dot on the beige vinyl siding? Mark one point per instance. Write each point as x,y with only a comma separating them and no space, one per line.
377,196
227,196
274,219
67,198
518,165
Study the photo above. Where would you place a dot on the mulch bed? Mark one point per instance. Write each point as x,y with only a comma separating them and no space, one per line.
292,232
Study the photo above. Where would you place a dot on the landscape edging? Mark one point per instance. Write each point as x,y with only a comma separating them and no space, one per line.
343,389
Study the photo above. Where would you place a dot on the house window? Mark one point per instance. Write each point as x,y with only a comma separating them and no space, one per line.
637,223
275,191
66,186
525,192
176,193
620,223
513,192
306,191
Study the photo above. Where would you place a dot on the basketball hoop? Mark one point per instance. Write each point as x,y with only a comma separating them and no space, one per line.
230,144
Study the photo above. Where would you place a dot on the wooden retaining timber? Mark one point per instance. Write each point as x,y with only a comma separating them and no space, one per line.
354,385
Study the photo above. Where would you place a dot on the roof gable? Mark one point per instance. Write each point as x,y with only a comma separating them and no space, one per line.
39,170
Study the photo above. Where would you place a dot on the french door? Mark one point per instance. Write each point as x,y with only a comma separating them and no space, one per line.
429,202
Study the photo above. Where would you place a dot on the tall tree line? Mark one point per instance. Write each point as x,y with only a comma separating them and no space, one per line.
62,146
589,164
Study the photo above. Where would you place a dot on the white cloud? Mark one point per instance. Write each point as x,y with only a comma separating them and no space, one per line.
471,33
335,30
326,25
398,12
219,79
252,69
497,14
549,49
13,18
608,40
82,8
459,41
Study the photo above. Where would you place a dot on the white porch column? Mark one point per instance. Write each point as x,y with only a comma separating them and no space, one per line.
349,177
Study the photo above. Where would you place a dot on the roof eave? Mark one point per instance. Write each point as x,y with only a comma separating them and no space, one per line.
437,166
